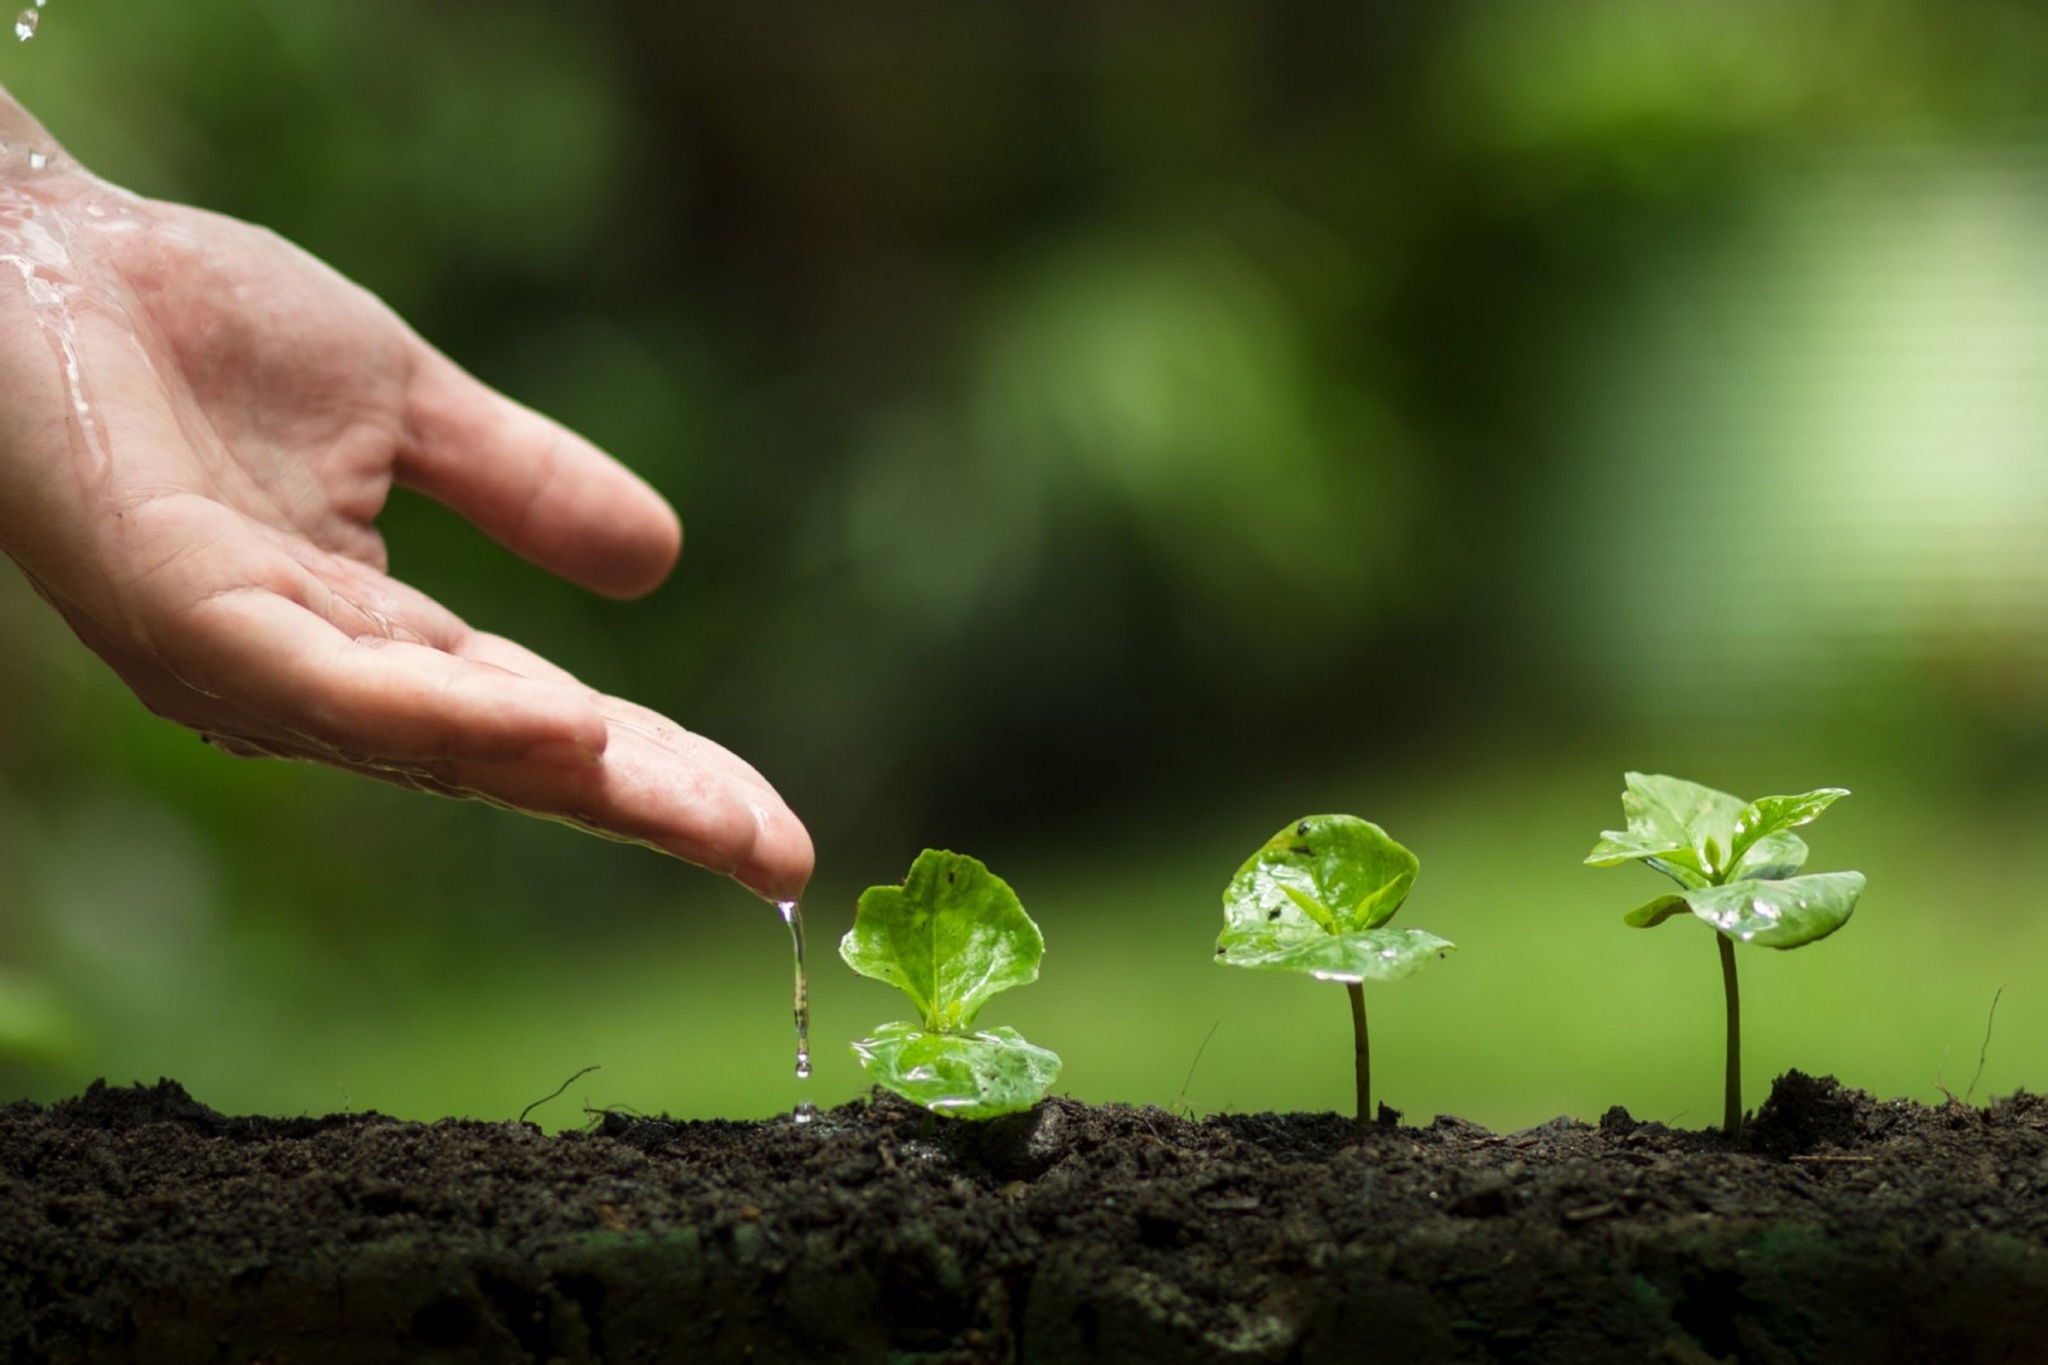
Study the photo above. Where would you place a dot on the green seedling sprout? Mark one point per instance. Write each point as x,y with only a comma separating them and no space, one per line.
1316,900
952,936
1736,866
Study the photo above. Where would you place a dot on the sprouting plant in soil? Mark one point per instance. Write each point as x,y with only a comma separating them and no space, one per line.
952,936
1737,868
1316,899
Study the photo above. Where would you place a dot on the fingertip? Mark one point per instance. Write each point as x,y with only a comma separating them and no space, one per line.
779,865
640,565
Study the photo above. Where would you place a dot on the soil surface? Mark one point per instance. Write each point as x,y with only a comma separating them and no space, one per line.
139,1225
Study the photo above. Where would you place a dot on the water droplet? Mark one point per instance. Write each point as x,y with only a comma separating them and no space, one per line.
805,1112
25,24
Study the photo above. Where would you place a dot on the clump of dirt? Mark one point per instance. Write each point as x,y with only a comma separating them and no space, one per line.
1805,1114
139,1225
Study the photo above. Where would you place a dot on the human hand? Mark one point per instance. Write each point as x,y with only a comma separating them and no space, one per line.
199,424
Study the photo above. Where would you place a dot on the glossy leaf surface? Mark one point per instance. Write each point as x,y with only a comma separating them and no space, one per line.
1685,830
952,936
1772,858
1780,914
1315,899
1769,815
1326,874
961,1075
1653,913
1368,955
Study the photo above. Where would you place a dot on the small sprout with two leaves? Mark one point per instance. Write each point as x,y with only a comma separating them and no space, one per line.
953,935
1737,868
1316,899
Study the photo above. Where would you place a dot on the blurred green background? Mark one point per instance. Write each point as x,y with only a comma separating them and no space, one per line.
1106,432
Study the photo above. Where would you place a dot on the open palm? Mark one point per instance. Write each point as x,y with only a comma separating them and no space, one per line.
201,424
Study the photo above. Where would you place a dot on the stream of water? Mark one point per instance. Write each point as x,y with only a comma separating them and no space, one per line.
793,915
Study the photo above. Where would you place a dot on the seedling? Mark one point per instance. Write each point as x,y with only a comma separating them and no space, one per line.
952,936
1316,899
1736,868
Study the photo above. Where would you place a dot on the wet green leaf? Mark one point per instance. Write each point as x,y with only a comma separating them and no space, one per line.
1737,863
1683,829
1329,873
1653,913
1367,955
952,936
1772,858
1779,914
1769,815
961,1075
1314,900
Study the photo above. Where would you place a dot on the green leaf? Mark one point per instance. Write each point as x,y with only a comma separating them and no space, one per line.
1654,913
1683,873
1366,955
1313,908
1618,846
1767,815
1326,874
952,936
1772,858
1780,914
1683,829
960,1075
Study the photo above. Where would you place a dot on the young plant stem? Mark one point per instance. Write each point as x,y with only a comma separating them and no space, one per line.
1363,1042
1731,1116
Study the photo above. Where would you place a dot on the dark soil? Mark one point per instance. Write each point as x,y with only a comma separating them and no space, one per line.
138,1225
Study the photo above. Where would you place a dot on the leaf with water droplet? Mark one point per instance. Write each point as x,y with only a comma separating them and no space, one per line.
1368,955
1736,862
1680,828
953,935
1314,899
962,1075
1782,914
1771,815
1771,858
1337,873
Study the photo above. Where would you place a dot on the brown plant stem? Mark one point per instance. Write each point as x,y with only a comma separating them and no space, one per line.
1363,1043
1731,1115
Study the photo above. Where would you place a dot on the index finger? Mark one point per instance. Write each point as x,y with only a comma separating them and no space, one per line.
533,485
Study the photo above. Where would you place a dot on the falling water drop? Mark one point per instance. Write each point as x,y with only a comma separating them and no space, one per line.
25,23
